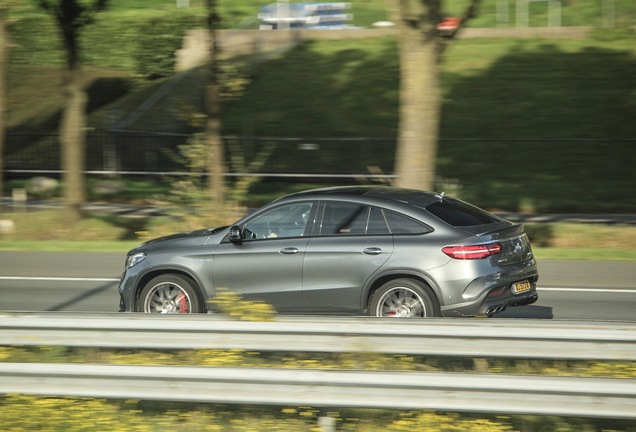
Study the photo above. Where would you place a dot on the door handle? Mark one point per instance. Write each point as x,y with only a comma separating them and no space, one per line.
289,251
372,251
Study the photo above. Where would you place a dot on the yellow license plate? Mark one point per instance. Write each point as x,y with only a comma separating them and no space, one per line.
520,287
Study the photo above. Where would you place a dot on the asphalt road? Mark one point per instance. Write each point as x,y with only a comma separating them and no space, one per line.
87,282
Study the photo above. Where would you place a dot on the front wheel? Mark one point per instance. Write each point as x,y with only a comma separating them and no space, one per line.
403,298
169,294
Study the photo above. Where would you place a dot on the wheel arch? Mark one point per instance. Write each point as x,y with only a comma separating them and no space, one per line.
380,280
147,277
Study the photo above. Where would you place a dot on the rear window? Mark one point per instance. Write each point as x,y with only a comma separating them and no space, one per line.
460,214
401,224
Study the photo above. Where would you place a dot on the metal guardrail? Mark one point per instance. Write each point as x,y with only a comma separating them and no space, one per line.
457,392
503,338
562,396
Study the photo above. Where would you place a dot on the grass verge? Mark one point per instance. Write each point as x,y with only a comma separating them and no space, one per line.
584,254
49,231
67,246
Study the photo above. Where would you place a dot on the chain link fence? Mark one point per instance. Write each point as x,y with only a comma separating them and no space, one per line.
526,175
126,153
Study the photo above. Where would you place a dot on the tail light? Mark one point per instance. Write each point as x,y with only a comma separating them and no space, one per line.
469,252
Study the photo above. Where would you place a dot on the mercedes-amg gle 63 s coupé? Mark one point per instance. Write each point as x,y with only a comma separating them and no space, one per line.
380,251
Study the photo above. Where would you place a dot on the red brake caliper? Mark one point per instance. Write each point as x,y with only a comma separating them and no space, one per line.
182,301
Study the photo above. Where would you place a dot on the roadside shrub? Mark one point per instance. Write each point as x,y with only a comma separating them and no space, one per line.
143,44
233,305
429,421
35,41
540,234
28,413
42,187
157,41
111,41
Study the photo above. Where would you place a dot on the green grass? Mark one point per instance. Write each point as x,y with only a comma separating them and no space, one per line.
584,254
67,246
49,231
573,13
35,97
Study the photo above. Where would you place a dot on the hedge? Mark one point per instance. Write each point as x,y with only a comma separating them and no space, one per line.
140,44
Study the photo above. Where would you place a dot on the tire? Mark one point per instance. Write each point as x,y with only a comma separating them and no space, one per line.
403,298
170,293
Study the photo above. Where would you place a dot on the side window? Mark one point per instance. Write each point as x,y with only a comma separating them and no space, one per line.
377,224
344,218
400,224
285,221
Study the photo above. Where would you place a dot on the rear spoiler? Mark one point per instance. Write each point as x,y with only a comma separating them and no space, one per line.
510,230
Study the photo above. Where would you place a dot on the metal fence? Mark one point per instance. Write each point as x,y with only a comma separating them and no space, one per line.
128,153
564,163
521,175
455,392
471,392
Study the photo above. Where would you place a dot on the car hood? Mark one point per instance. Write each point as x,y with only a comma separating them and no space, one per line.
190,237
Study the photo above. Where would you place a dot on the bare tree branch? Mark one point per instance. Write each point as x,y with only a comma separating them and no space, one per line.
469,13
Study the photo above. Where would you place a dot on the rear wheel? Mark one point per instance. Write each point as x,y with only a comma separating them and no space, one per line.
403,298
170,294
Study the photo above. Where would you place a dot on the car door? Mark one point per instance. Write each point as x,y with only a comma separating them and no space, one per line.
350,244
267,265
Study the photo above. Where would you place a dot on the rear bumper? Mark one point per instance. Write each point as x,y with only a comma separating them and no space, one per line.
488,304
526,300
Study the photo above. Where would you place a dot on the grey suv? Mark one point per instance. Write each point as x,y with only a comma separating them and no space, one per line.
380,251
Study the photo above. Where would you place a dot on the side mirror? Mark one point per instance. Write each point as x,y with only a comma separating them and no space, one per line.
235,235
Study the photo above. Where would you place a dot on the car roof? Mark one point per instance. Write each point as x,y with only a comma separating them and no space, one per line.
403,195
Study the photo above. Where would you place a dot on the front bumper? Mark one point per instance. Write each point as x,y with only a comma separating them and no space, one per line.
128,283
125,299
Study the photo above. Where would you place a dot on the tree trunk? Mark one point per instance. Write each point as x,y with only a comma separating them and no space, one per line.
421,48
419,108
216,157
216,152
73,142
71,16
4,59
